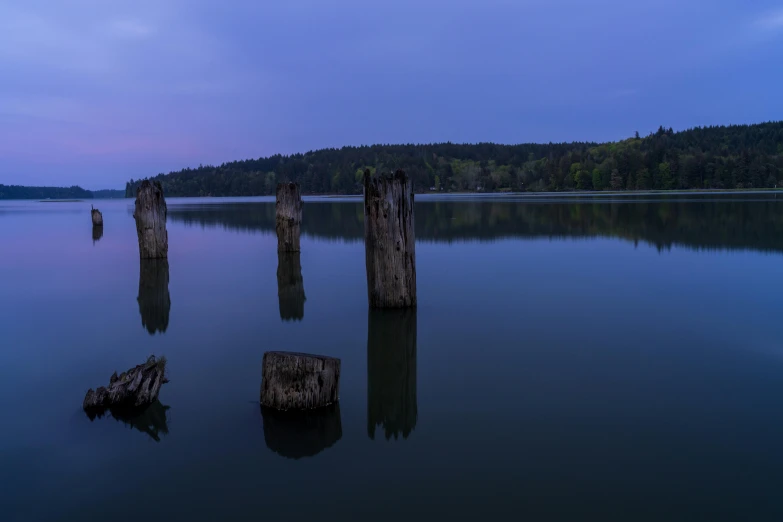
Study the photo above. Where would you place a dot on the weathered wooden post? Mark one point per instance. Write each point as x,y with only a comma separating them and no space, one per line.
290,286
389,241
150,214
97,217
154,299
299,381
297,434
288,216
391,372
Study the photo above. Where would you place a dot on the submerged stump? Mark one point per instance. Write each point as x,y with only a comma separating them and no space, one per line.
389,241
150,214
97,217
154,299
297,434
391,372
299,381
136,387
290,286
288,216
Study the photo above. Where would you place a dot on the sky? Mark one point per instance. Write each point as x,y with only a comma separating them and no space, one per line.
96,92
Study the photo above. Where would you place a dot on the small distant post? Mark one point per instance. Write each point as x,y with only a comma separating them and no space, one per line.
389,241
97,217
288,210
150,214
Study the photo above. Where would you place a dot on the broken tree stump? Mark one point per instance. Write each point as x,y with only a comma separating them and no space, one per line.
299,381
97,217
297,434
290,286
288,217
389,241
154,299
150,214
137,387
391,372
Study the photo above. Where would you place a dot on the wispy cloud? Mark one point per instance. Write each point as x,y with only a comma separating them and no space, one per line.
129,28
772,20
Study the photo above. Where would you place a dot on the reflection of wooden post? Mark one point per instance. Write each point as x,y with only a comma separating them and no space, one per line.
154,300
97,234
299,381
288,210
290,286
296,434
391,372
150,214
389,240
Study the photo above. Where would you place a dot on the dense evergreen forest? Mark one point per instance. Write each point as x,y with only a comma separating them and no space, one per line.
20,192
725,157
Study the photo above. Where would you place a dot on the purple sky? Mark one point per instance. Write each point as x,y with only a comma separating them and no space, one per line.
94,92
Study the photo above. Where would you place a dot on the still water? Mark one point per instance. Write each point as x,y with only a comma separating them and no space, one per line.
570,359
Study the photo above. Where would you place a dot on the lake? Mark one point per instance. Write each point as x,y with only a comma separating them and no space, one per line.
571,358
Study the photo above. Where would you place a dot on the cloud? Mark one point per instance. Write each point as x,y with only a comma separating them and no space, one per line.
772,20
129,28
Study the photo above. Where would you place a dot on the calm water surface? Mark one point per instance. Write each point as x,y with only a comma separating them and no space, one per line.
570,359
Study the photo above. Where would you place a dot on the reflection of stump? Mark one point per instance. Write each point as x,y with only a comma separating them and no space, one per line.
288,211
97,217
154,300
152,419
97,234
295,434
389,242
391,372
299,381
290,286
150,214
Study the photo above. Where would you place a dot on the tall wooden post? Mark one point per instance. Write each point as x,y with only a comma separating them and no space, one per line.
150,214
391,372
389,240
154,299
288,211
290,286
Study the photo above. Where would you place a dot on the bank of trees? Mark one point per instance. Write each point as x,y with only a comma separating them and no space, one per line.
723,157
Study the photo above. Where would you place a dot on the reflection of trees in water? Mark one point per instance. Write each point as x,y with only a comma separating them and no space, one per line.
152,420
296,434
391,372
290,286
154,300
725,222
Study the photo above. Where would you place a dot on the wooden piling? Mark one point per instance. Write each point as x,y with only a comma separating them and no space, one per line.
389,240
97,217
299,381
391,372
150,214
290,286
288,212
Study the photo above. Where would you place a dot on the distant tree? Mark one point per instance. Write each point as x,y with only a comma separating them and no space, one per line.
617,180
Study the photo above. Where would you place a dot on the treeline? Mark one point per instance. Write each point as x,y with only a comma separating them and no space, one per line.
75,192
20,192
725,157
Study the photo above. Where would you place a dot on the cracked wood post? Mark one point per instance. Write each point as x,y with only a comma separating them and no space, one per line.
299,381
150,214
288,211
389,241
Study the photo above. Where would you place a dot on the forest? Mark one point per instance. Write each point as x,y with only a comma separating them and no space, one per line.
75,192
718,157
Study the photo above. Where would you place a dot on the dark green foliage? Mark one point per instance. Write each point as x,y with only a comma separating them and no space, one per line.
108,194
19,192
738,156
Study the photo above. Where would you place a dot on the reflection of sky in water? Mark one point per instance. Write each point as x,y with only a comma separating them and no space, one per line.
560,379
